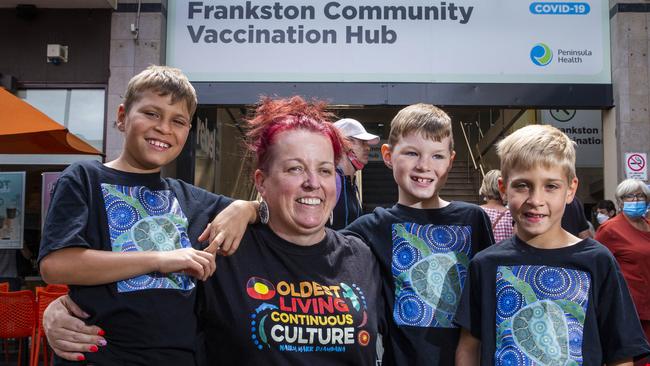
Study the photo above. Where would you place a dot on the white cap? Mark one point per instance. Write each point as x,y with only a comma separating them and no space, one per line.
352,128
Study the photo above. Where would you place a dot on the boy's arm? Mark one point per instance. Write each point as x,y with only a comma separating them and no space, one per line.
82,266
228,227
467,353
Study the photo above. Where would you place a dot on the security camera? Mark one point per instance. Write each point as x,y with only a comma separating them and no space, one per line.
56,54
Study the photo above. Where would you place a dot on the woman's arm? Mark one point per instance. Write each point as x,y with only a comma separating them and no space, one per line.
66,333
82,266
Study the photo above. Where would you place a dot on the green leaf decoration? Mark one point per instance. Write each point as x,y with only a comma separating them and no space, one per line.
176,219
123,238
414,240
348,293
521,286
399,282
175,280
442,318
261,331
572,308
505,326
461,258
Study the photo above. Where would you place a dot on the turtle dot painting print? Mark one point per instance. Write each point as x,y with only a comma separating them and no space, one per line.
540,315
429,267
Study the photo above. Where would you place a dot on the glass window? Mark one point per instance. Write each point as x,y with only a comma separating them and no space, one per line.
81,111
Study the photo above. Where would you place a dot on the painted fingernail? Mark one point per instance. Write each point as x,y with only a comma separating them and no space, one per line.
81,358
93,348
101,332
102,342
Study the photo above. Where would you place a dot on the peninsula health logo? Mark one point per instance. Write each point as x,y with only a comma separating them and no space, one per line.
541,54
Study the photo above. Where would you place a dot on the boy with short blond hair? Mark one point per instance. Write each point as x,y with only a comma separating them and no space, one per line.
545,297
423,243
126,239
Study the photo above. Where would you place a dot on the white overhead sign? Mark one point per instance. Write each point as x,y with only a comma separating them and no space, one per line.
497,41
582,126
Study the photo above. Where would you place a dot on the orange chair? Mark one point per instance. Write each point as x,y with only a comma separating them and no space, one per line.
17,316
4,287
44,297
57,288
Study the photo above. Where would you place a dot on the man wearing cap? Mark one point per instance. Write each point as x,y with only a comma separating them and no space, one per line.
348,207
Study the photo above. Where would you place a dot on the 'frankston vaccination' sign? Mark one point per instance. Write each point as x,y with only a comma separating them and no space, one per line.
502,41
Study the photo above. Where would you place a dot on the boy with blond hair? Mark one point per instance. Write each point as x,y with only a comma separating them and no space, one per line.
545,297
423,243
122,236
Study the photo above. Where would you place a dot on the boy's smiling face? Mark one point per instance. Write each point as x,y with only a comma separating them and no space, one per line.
537,198
155,131
420,168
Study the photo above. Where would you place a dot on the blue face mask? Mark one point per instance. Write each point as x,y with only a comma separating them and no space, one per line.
635,209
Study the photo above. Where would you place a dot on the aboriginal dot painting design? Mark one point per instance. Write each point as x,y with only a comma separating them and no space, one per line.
429,267
540,314
140,219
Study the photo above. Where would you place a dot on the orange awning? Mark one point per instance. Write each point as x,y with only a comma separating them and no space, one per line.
26,130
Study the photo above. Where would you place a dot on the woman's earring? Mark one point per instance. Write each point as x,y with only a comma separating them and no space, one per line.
263,212
331,218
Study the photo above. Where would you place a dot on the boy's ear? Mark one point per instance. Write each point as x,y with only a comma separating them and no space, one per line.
387,154
571,192
121,118
502,188
259,178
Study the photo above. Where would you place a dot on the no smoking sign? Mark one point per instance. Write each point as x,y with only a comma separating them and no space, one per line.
636,166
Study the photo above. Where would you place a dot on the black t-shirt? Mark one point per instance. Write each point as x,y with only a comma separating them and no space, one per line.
277,303
347,207
550,306
97,207
423,256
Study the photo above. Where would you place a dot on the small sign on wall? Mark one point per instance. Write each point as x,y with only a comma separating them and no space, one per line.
12,209
582,126
636,166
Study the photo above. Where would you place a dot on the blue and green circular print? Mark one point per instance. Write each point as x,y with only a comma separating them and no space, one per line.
555,283
121,216
405,255
155,202
411,310
511,356
508,301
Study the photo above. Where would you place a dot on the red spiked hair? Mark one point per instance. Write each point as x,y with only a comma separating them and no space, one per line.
274,116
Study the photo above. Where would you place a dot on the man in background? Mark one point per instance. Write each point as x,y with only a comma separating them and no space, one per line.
348,207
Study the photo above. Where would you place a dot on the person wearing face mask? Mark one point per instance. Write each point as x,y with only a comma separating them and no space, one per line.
628,237
348,207
605,210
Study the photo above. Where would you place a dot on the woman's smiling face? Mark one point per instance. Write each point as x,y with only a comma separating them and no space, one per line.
298,184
